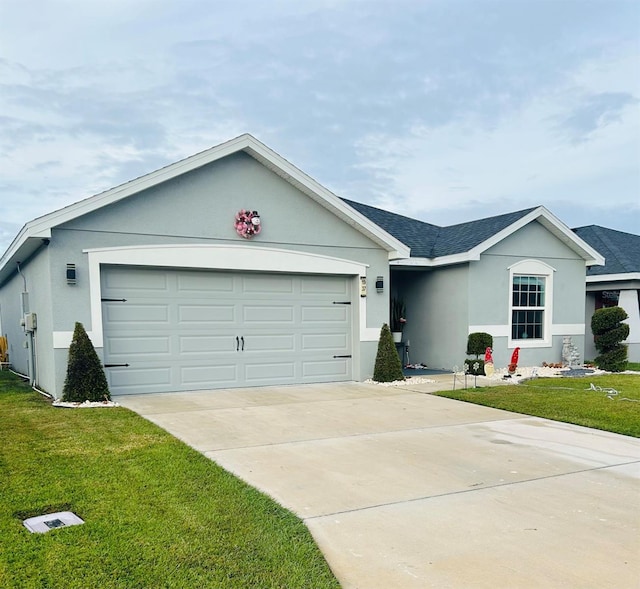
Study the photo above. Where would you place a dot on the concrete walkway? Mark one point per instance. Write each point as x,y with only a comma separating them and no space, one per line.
402,489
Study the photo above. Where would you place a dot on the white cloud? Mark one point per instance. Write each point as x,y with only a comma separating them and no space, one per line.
464,108
520,160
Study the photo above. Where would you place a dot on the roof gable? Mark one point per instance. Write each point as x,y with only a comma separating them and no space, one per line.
30,237
432,245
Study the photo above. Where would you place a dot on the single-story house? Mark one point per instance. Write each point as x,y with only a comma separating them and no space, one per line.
234,268
617,283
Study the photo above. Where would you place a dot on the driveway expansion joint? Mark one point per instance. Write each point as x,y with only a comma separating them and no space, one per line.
473,489
358,435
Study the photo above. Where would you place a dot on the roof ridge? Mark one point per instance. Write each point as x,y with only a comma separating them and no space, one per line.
510,213
361,204
596,227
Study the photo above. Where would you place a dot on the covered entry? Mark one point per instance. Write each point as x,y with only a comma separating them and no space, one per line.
168,329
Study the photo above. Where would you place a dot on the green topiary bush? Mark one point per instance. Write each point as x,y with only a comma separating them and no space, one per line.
85,379
608,333
478,342
388,366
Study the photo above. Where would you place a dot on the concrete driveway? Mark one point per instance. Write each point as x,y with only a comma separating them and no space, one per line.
402,489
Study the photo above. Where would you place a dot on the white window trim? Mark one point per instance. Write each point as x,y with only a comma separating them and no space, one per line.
542,270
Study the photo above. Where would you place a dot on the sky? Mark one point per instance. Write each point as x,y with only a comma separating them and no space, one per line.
442,110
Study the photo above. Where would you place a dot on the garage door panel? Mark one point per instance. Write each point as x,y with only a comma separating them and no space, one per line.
211,314
310,285
334,342
269,343
324,314
334,369
132,314
262,314
264,284
205,344
269,371
203,376
125,281
137,345
132,377
193,283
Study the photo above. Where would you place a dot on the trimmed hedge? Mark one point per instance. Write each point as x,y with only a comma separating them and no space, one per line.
478,342
85,379
608,333
388,366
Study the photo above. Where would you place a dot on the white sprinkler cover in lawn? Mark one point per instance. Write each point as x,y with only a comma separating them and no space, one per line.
51,521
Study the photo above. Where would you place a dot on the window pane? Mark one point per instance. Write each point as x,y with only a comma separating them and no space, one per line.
528,291
527,324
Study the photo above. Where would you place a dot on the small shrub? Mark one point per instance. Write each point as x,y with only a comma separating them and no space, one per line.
85,379
608,334
471,362
478,342
388,366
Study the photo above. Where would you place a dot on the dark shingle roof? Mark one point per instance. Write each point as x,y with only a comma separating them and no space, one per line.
621,250
418,235
431,241
463,237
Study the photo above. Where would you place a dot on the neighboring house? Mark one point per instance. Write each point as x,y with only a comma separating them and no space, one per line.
615,283
175,298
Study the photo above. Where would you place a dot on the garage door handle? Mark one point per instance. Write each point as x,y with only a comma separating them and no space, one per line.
237,343
242,339
346,356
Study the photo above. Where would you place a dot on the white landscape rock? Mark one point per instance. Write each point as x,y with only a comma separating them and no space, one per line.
500,376
85,404
396,383
529,372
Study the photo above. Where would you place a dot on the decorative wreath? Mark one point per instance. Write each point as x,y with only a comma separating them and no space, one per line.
247,223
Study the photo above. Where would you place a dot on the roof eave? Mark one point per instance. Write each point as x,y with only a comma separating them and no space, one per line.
418,262
614,277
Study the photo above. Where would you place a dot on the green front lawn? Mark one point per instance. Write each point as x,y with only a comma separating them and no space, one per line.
567,399
157,513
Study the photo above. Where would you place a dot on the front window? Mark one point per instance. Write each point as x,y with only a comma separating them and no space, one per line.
530,304
528,307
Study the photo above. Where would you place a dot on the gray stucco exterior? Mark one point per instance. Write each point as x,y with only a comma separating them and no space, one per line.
445,304
437,314
197,208
454,280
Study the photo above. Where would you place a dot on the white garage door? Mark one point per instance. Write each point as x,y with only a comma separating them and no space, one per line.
181,330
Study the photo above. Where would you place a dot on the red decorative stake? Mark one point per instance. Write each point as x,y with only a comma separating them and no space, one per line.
513,365
514,356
